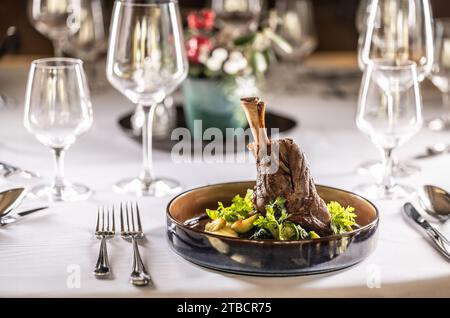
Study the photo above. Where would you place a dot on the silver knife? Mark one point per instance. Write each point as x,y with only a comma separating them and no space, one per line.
10,219
441,243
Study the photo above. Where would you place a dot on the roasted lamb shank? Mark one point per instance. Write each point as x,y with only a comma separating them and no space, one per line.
291,177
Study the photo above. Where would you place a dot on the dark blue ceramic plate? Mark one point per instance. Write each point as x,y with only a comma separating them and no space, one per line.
266,257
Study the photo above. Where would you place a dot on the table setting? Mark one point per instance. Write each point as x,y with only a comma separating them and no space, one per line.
212,153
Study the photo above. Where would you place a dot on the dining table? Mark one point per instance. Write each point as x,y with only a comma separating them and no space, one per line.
52,253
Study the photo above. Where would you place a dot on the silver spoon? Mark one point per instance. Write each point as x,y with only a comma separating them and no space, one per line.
10,199
435,201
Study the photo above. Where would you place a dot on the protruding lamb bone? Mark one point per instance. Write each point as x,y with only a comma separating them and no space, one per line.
255,110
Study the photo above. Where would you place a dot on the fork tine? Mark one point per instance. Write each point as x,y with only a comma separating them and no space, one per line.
138,218
108,216
113,221
132,216
128,217
121,218
97,226
103,219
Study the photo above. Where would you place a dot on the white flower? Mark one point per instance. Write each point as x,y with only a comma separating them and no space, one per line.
242,63
238,61
203,54
220,54
236,55
231,67
213,64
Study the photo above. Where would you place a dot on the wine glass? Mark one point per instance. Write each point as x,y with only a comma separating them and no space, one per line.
146,62
57,110
389,113
91,38
240,16
397,30
440,73
90,41
56,19
295,24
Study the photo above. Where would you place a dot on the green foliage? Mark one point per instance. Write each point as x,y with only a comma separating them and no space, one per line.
239,209
342,219
276,223
246,39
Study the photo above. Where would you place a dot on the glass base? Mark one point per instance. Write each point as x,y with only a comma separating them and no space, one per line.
439,124
70,192
399,170
377,192
157,188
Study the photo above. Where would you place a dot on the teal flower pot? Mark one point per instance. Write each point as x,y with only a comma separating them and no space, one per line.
216,103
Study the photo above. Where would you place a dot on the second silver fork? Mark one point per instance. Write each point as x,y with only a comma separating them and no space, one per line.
132,230
105,229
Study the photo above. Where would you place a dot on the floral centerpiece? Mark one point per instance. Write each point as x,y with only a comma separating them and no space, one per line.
222,68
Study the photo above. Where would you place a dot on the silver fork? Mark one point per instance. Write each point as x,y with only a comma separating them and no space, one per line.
104,230
131,231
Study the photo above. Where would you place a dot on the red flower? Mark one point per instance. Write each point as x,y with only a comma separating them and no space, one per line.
195,45
203,20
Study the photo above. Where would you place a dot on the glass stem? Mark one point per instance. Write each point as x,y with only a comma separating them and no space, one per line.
387,181
57,48
59,180
147,174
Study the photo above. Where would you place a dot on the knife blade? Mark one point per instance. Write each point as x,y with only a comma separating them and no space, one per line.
441,243
10,219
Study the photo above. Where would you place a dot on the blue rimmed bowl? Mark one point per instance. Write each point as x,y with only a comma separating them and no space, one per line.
185,232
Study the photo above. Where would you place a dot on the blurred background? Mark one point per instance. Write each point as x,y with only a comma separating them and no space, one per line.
334,22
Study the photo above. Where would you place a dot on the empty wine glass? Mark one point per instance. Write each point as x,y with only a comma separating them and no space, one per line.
240,16
146,62
91,38
440,73
90,41
58,110
389,113
56,19
397,30
295,24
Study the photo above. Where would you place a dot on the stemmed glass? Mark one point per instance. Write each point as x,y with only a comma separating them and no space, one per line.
440,73
146,62
240,16
90,41
397,31
57,110
389,113
56,19
295,24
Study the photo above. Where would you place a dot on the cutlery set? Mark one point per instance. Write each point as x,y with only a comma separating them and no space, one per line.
435,202
130,230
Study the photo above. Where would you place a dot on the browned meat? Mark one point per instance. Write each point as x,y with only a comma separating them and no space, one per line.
286,174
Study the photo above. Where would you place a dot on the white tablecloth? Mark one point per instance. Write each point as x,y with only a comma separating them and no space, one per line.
52,252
